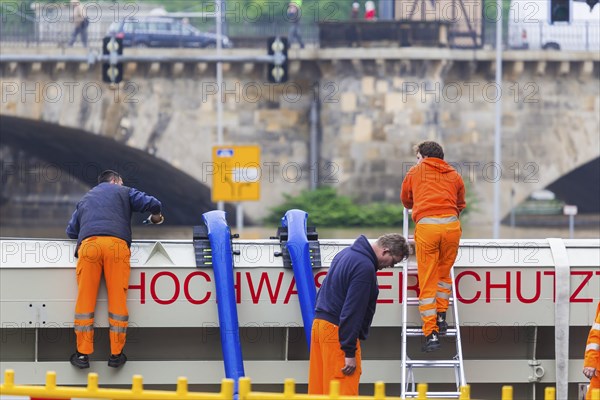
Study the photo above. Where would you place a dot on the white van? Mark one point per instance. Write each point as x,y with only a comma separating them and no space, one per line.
529,27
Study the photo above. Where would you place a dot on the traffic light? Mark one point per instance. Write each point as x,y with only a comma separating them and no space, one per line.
112,71
560,11
277,72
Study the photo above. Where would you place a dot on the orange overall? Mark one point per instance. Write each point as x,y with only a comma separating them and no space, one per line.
436,194
110,255
327,360
436,247
592,353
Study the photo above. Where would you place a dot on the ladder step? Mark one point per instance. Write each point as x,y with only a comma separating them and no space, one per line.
414,301
432,363
419,332
437,395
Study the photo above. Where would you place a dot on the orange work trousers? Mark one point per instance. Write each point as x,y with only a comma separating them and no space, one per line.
594,384
327,360
110,255
436,247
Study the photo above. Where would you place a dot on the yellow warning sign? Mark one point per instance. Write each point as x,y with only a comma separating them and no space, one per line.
236,173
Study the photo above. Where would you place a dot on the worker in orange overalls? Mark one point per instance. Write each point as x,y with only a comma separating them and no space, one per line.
344,310
101,224
591,363
436,194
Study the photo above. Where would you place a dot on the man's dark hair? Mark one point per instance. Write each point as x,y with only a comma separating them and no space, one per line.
430,149
108,176
395,243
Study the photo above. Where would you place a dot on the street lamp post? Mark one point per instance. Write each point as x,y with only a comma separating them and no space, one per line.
498,122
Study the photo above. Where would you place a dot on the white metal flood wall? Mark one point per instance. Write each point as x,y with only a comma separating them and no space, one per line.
512,294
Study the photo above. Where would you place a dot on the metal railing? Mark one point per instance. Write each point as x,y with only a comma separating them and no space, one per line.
58,34
137,391
535,35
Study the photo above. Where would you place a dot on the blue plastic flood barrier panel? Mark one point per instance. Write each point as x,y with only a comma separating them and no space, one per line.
219,236
297,246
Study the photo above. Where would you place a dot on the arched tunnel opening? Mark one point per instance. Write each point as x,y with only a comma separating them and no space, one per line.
81,156
578,187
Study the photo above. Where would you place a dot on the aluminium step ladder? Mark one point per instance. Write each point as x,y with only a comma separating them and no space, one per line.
408,381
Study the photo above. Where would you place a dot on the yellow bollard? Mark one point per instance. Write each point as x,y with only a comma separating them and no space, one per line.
244,387
507,393
334,389
289,388
182,386
550,393
9,378
50,380
422,391
92,382
227,387
596,394
465,393
379,391
137,385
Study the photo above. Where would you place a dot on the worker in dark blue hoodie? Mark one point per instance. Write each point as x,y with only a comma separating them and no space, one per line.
101,224
344,311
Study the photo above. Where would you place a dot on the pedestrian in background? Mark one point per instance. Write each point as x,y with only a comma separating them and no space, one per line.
101,224
370,14
355,10
436,194
344,311
294,15
81,23
591,362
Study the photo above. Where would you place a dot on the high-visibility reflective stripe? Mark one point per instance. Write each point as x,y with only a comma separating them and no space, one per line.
84,316
592,346
428,313
118,329
596,326
118,317
85,328
424,302
438,221
444,285
443,295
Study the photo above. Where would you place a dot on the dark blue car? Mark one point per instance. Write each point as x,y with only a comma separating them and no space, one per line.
163,32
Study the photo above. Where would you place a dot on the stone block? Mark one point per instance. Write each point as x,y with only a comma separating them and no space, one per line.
397,82
277,119
509,120
589,103
348,102
363,129
417,118
393,102
368,85
382,86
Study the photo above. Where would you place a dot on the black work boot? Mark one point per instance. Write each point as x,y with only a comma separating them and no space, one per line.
80,360
432,343
116,361
441,323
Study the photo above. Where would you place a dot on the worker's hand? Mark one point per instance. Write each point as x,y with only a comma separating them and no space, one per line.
350,366
589,372
157,219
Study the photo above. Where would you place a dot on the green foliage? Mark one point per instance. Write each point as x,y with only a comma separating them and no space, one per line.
326,208
471,199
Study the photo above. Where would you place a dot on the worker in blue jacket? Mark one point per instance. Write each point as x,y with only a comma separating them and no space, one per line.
344,311
101,224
